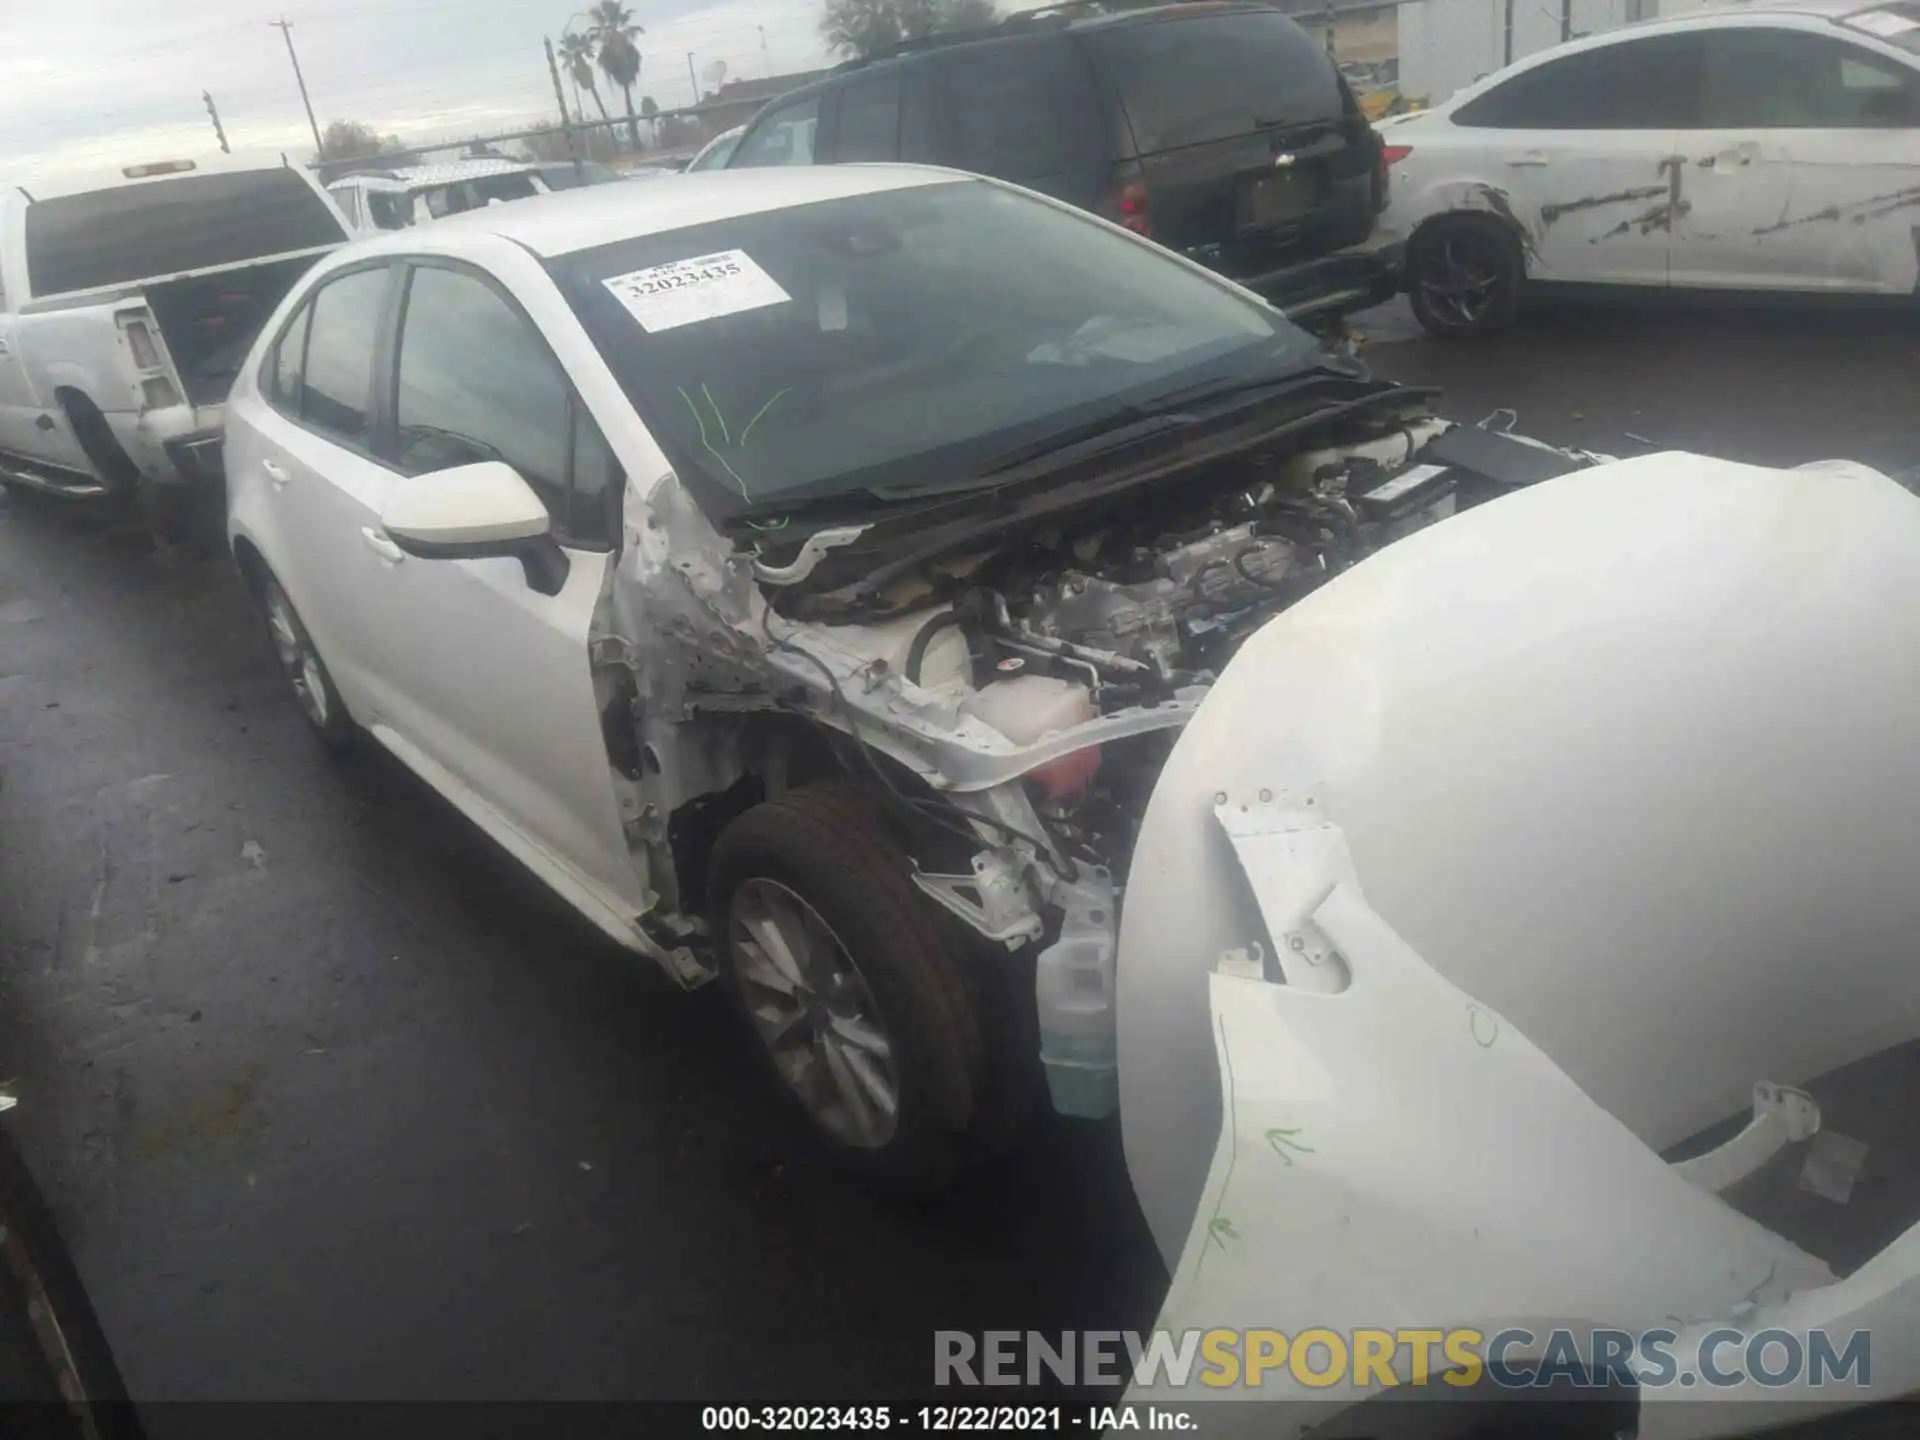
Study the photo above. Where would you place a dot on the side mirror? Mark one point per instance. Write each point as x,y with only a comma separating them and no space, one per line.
477,512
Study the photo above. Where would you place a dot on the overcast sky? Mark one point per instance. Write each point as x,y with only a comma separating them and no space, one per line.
86,88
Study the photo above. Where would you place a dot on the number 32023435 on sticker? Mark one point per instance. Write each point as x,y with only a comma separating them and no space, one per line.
685,292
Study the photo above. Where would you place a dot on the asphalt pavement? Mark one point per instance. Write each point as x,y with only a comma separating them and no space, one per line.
335,1102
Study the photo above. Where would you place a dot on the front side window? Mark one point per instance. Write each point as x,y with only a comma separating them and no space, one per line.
784,137
1763,79
1645,84
476,382
901,339
337,383
389,211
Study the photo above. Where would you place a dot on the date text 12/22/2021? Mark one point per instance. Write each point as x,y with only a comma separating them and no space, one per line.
946,1419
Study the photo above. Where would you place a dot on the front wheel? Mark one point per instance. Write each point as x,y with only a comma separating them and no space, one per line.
858,1002
1463,276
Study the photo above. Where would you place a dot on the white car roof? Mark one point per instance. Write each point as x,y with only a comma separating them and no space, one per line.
1820,9
594,215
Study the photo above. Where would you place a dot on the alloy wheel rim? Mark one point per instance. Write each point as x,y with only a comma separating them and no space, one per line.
297,658
1460,279
814,1012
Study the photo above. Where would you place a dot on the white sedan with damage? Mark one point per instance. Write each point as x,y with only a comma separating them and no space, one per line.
806,576
1773,148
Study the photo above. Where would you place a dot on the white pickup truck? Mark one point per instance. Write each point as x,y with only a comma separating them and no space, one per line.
126,312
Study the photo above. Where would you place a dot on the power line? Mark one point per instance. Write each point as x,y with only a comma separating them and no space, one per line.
285,27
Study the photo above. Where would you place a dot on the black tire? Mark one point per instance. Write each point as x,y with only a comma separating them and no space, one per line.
1464,274
314,692
63,1382
831,848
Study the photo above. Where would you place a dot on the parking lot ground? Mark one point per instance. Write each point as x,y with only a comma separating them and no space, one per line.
1773,385
333,1101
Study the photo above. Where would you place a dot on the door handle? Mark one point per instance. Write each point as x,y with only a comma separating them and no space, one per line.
1529,157
5,349
274,472
382,546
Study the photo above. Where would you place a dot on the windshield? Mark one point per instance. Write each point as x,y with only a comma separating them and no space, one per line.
1896,24
163,227
902,339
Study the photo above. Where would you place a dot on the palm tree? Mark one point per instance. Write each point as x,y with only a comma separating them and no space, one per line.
576,53
613,27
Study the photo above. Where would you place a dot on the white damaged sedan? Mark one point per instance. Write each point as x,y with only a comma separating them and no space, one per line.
807,574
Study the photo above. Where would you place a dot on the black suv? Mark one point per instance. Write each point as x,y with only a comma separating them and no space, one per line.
1221,130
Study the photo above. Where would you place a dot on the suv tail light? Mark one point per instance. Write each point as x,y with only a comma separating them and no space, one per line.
1127,204
1394,154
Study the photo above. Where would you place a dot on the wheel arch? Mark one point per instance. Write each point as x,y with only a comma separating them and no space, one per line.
95,437
1478,204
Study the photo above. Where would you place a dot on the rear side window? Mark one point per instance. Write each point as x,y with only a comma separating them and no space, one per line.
162,227
869,127
1021,112
784,137
1649,84
1188,82
289,362
337,385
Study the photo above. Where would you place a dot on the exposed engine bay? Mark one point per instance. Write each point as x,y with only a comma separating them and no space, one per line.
1018,676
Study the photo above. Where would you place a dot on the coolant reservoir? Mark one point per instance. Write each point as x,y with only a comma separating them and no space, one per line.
1026,707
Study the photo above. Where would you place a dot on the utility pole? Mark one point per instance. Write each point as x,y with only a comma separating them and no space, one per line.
1566,21
285,27
559,95
693,77
1507,29
225,149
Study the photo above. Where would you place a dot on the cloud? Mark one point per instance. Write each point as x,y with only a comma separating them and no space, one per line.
87,89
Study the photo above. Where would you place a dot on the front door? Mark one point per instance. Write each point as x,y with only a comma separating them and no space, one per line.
490,680
1804,171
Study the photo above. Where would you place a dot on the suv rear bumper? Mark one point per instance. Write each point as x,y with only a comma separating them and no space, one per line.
1327,287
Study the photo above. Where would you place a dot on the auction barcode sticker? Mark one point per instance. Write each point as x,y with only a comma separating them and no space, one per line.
1887,24
685,292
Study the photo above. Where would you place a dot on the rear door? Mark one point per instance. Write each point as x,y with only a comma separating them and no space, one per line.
1024,110
1805,167
1582,150
1250,146
314,481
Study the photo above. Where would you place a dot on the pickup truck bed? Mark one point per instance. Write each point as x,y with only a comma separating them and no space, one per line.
128,313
